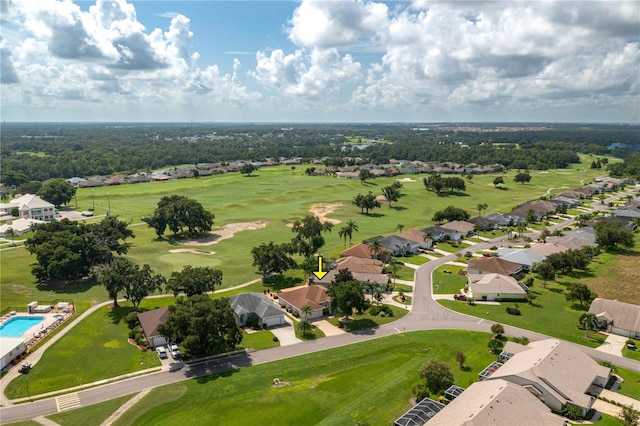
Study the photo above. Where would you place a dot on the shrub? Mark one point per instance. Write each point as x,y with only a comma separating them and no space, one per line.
295,314
132,320
253,320
513,311
529,282
471,301
631,343
132,334
275,339
493,248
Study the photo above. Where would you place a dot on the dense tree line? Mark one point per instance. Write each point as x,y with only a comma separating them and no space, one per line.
40,152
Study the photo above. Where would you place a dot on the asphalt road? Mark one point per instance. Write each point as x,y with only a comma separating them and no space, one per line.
426,314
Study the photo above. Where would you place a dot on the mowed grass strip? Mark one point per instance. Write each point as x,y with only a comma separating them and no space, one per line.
551,314
365,320
446,279
91,415
273,194
367,382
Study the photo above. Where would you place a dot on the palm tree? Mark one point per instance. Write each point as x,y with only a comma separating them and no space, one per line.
353,227
306,311
588,321
304,327
10,233
481,207
400,227
344,232
375,248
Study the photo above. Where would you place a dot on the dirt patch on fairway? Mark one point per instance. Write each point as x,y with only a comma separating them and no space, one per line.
195,251
322,210
618,280
227,231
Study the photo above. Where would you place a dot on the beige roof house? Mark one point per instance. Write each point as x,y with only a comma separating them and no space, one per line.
546,249
417,236
571,243
617,317
463,227
357,264
493,265
495,402
495,287
556,372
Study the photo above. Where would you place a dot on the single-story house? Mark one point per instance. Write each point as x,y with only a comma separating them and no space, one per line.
313,295
584,233
483,223
10,349
571,243
617,317
546,249
557,373
464,228
504,219
523,257
523,213
149,322
438,233
493,265
418,237
360,250
19,226
495,402
399,246
358,264
370,277
495,287
245,303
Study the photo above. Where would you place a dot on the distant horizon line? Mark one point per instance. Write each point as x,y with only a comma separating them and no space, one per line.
620,123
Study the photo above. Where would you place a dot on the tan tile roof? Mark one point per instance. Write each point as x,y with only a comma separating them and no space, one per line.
494,265
494,283
563,370
312,295
459,225
495,402
624,315
546,249
413,235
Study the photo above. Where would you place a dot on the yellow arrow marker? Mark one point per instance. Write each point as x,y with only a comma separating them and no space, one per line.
319,273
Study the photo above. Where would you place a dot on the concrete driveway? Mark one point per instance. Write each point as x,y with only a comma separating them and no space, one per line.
286,334
327,328
613,344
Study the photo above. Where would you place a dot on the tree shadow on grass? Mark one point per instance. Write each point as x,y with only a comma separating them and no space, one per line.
579,307
398,208
119,313
453,194
502,188
67,287
556,290
279,282
373,214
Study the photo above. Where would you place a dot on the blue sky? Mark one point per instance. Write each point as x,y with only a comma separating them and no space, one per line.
315,61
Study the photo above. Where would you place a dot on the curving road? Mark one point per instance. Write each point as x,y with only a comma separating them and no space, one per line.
426,314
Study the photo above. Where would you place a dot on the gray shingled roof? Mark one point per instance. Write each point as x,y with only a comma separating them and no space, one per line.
254,302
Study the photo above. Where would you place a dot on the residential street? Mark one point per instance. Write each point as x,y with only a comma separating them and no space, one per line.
426,314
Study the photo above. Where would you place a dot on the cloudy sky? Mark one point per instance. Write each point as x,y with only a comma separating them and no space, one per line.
310,61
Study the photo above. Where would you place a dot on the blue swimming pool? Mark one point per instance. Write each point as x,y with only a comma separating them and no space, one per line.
15,327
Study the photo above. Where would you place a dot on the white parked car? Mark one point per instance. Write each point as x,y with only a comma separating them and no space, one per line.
162,352
175,351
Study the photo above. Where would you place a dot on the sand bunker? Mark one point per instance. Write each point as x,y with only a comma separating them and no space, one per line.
195,251
323,209
406,180
225,232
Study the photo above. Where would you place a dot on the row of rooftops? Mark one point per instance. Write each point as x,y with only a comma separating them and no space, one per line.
515,391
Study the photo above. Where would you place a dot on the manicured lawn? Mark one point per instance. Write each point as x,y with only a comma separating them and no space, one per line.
316,333
25,423
415,259
273,194
448,283
360,321
605,420
258,340
631,385
451,248
93,414
369,382
551,314
633,354
403,273
403,287
407,299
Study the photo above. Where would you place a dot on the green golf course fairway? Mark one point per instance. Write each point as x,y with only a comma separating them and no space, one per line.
366,382
275,195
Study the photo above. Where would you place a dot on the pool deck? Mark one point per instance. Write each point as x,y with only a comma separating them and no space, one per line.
50,321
